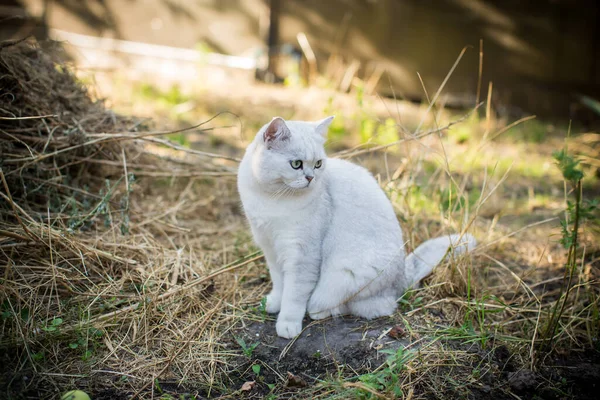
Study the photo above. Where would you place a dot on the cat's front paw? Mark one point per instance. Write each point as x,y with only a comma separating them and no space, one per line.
273,304
288,329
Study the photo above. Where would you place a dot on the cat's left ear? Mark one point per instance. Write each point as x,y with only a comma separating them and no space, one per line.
322,126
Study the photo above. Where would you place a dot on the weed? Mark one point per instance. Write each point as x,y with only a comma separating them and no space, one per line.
410,300
576,213
247,349
387,379
157,386
261,310
38,356
54,325
465,333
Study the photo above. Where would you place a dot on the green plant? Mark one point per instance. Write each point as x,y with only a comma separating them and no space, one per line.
465,333
86,341
262,308
157,386
256,369
39,356
387,379
248,349
576,212
409,300
54,325
476,316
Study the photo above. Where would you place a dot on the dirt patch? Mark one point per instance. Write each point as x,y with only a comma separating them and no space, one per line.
344,340
324,348
328,350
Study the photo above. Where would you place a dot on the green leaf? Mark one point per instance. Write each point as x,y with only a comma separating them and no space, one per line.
241,342
86,355
591,103
256,369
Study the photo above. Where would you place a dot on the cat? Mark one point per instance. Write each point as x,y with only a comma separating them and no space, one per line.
329,234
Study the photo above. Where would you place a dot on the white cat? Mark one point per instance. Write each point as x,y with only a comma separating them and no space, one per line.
329,234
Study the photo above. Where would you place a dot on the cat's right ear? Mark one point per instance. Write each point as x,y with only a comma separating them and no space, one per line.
277,131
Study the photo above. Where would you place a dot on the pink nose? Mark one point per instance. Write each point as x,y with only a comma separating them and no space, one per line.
309,178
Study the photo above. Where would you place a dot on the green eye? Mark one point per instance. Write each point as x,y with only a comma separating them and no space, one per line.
318,164
296,164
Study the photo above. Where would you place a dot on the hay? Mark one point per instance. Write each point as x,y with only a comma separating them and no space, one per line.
55,137
94,278
44,111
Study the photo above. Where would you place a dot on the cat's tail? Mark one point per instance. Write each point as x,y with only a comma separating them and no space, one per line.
429,254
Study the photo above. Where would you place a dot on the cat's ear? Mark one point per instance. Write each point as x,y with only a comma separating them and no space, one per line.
322,126
276,131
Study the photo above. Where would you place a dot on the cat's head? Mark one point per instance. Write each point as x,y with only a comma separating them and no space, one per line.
290,155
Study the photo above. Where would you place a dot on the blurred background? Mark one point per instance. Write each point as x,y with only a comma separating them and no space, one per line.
541,56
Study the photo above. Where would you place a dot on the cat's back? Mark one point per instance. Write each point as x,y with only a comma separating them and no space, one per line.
354,180
356,195
364,229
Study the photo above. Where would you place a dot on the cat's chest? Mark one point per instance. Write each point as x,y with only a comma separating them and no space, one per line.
285,219
288,232
282,217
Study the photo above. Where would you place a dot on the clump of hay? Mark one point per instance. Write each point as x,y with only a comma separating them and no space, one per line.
46,115
85,282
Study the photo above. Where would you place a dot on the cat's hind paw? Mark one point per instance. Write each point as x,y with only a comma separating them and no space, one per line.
288,329
273,304
320,314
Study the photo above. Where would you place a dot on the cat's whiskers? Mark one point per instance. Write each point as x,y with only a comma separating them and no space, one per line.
279,193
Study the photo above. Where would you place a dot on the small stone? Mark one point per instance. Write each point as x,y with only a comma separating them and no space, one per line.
295,381
397,332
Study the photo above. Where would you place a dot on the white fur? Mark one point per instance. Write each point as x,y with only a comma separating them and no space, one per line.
333,246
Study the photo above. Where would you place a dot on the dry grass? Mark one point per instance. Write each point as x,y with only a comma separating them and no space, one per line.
136,287
91,267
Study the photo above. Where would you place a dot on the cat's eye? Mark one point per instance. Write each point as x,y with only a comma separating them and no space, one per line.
296,164
318,164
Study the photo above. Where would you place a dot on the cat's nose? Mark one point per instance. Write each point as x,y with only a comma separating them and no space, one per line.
309,178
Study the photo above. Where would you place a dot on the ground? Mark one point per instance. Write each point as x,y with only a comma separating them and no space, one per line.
161,295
